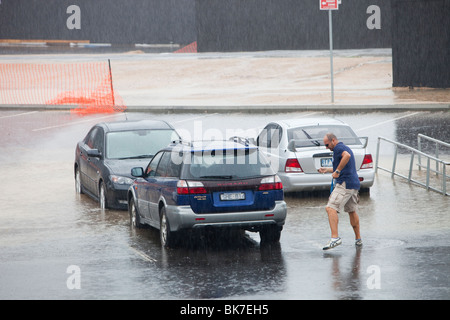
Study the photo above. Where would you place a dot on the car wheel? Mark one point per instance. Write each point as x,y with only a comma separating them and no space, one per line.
102,196
78,186
167,237
135,219
270,234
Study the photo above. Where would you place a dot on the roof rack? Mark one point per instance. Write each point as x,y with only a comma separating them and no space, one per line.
183,142
241,140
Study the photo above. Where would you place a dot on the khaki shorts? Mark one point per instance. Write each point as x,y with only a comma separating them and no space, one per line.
349,198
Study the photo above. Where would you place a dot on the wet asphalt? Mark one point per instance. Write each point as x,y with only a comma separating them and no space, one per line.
55,244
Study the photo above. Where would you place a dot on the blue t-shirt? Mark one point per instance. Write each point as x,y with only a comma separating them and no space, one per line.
348,174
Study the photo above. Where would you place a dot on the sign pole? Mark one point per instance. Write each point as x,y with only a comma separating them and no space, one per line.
330,5
330,23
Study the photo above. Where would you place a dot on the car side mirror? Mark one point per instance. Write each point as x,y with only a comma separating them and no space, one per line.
94,153
137,172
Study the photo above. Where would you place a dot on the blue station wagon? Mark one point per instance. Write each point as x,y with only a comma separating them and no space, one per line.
216,184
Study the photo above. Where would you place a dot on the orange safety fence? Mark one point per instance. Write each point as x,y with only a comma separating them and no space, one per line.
88,86
190,48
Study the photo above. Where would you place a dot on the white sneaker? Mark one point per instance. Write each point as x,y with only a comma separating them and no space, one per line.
358,242
332,243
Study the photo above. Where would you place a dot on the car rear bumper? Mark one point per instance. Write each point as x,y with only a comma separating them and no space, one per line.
308,182
182,217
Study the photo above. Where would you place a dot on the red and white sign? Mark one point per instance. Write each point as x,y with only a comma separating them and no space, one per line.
329,4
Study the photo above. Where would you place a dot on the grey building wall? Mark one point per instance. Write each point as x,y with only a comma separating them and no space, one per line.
254,25
217,25
100,21
421,43
417,30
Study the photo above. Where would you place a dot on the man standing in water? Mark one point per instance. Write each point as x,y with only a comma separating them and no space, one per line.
346,189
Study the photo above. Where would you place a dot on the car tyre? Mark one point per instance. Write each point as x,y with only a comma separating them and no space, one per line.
270,234
102,196
167,237
78,185
135,220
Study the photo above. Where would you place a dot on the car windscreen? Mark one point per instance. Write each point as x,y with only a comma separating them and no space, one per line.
313,135
228,164
138,143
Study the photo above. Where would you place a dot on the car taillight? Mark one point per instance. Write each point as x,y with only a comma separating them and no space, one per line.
292,165
270,183
190,187
367,162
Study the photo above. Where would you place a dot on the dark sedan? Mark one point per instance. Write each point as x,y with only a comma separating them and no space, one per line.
104,158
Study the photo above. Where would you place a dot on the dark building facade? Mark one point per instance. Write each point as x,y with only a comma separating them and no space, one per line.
255,25
418,31
421,43
99,21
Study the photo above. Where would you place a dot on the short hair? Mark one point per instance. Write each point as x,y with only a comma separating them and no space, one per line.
331,136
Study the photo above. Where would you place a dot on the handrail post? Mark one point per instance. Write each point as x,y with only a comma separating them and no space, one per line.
444,180
395,161
437,157
411,163
419,147
378,152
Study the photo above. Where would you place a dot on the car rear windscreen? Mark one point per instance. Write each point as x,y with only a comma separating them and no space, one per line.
138,143
313,135
226,164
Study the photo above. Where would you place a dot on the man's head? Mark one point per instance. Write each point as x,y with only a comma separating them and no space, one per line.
330,141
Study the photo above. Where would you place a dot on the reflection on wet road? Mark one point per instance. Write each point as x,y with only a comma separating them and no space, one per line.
45,227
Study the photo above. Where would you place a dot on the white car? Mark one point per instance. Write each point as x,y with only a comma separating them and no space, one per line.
296,151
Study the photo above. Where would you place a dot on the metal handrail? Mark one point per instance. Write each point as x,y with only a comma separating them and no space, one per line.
409,177
437,144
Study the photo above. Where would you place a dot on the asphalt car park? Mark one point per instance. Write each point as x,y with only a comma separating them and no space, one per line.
57,244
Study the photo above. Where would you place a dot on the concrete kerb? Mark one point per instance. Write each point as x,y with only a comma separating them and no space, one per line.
290,108
250,108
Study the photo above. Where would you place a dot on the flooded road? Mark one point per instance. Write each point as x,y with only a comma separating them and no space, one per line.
55,244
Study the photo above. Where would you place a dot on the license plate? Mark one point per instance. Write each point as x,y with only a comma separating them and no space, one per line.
326,162
232,196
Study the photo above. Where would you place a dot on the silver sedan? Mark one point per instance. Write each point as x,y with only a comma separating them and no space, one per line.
296,151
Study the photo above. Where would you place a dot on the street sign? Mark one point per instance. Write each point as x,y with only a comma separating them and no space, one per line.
329,4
